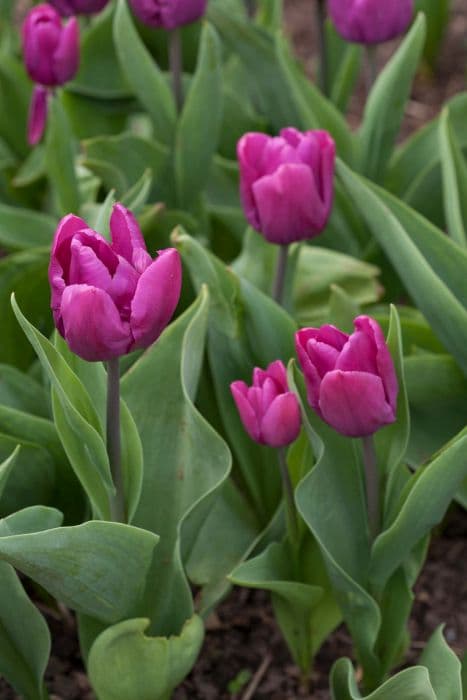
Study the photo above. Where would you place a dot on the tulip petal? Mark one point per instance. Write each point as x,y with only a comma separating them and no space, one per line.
358,354
156,297
60,259
384,362
91,324
66,56
37,114
277,371
86,267
281,423
354,403
288,205
127,239
247,414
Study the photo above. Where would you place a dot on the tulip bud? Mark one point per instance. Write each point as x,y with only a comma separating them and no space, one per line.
66,8
110,299
168,14
370,21
269,411
351,382
51,51
286,183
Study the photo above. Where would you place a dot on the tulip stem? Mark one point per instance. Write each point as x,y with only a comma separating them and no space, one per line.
321,37
371,67
279,280
287,487
250,8
114,449
372,486
176,66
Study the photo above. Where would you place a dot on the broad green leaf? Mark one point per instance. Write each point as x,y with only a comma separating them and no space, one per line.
142,74
20,391
413,257
136,197
99,74
30,521
385,106
184,458
32,168
443,666
427,498
5,468
411,684
437,15
15,93
200,121
24,228
76,420
344,61
342,309
82,565
149,667
454,171
60,158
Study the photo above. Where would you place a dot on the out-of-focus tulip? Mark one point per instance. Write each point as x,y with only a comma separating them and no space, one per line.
110,298
168,14
269,411
370,21
351,381
78,7
51,50
286,183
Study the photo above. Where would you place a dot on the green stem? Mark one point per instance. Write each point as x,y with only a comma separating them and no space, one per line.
371,66
323,74
250,8
372,486
279,280
291,511
114,449
176,66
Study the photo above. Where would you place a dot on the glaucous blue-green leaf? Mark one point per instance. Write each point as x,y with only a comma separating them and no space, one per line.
5,468
143,75
60,159
411,684
82,565
185,460
149,667
454,172
199,124
32,481
100,75
443,666
385,106
21,391
24,228
25,273
432,267
76,420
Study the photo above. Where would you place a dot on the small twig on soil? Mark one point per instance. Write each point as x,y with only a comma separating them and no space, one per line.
257,678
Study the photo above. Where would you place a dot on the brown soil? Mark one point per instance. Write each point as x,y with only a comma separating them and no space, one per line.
242,637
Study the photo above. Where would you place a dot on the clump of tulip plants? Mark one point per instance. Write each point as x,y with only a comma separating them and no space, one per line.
235,351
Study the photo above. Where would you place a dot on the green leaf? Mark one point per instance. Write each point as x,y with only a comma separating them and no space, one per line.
15,93
429,495
82,565
76,420
200,121
437,15
185,461
20,391
60,158
411,684
443,666
385,106
454,170
440,297
344,61
145,78
149,667
32,168
24,228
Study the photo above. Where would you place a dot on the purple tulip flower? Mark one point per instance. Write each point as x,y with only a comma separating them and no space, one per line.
110,298
370,21
51,55
269,411
286,183
78,7
351,382
168,14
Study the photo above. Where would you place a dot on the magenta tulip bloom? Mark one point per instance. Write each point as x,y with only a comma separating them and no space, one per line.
51,50
269,411
168,14
286,183
351,382
110,298
78,7
370,21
